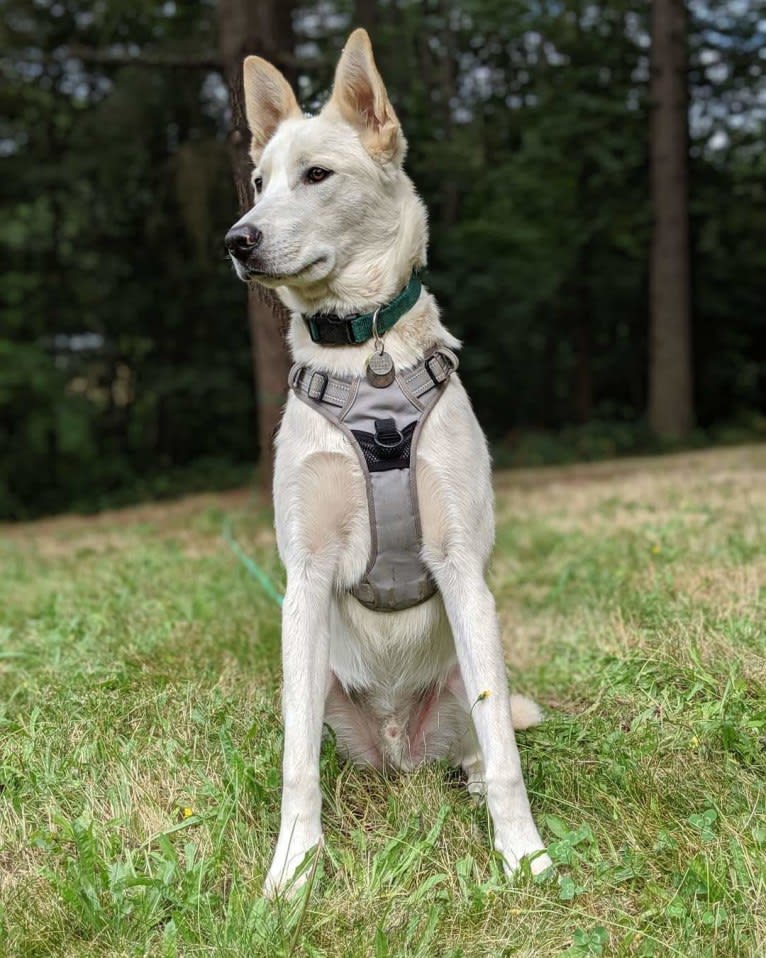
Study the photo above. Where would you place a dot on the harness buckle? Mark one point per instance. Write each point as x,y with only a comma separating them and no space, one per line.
317,393
438,375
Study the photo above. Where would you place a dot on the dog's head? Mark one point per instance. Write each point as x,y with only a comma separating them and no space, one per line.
334,212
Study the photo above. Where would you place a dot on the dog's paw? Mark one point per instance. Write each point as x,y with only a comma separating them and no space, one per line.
279,883
538,859
539,862
291,869
528,845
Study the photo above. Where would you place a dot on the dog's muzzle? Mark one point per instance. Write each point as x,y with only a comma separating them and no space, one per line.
242,241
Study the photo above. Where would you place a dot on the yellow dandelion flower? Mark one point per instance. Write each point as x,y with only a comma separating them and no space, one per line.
187,812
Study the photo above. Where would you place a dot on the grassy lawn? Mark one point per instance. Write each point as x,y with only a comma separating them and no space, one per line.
140,737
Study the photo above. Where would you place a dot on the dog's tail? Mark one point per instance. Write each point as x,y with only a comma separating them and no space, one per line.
524,712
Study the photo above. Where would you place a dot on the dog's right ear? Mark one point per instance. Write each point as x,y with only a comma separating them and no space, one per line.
359,96
269,99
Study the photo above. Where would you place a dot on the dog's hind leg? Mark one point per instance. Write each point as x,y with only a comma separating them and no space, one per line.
466,752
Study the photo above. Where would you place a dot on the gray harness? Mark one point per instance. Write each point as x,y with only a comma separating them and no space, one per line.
383,426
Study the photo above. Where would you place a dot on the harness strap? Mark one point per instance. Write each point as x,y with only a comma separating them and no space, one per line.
435,369
319,386
430,372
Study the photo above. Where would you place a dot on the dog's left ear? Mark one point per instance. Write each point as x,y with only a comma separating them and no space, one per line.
269,99
359,96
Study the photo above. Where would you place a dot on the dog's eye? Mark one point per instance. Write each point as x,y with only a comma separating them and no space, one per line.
316,174
258,184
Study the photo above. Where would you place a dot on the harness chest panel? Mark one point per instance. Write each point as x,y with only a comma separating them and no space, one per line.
383,425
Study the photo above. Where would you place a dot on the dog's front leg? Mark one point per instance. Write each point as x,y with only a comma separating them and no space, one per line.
471,611
305,645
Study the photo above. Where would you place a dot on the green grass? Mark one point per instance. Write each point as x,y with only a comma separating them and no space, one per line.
140,737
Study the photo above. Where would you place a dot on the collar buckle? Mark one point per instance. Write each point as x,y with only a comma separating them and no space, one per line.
331,330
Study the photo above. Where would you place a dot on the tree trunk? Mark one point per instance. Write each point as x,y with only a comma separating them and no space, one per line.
671,403
264,28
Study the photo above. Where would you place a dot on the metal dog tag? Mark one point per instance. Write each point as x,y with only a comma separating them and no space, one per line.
380,370
380,366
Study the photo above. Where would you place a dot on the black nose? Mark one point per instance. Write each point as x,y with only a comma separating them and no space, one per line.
240,241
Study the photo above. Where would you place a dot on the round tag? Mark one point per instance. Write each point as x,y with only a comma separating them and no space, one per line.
380,370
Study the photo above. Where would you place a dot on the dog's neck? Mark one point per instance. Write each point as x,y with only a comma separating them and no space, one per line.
417,331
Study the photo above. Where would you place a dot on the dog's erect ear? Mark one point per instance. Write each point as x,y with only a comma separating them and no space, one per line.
359,96
269,99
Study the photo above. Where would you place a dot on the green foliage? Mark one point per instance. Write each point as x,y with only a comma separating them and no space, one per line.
124,348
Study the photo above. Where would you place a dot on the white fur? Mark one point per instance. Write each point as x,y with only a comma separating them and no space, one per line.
398,688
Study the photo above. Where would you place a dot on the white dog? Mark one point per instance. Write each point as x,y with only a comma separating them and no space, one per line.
338,228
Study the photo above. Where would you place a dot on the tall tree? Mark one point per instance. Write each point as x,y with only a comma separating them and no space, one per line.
264,28
671,403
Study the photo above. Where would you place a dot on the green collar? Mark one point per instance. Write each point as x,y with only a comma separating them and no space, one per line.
331,330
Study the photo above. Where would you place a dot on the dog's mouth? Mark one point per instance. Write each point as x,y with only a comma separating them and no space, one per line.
255,275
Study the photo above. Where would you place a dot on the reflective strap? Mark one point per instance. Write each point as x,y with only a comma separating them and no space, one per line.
433,371
319,386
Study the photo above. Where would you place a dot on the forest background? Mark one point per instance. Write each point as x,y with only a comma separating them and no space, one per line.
536,132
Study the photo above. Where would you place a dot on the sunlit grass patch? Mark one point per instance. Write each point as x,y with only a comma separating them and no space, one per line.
140,737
